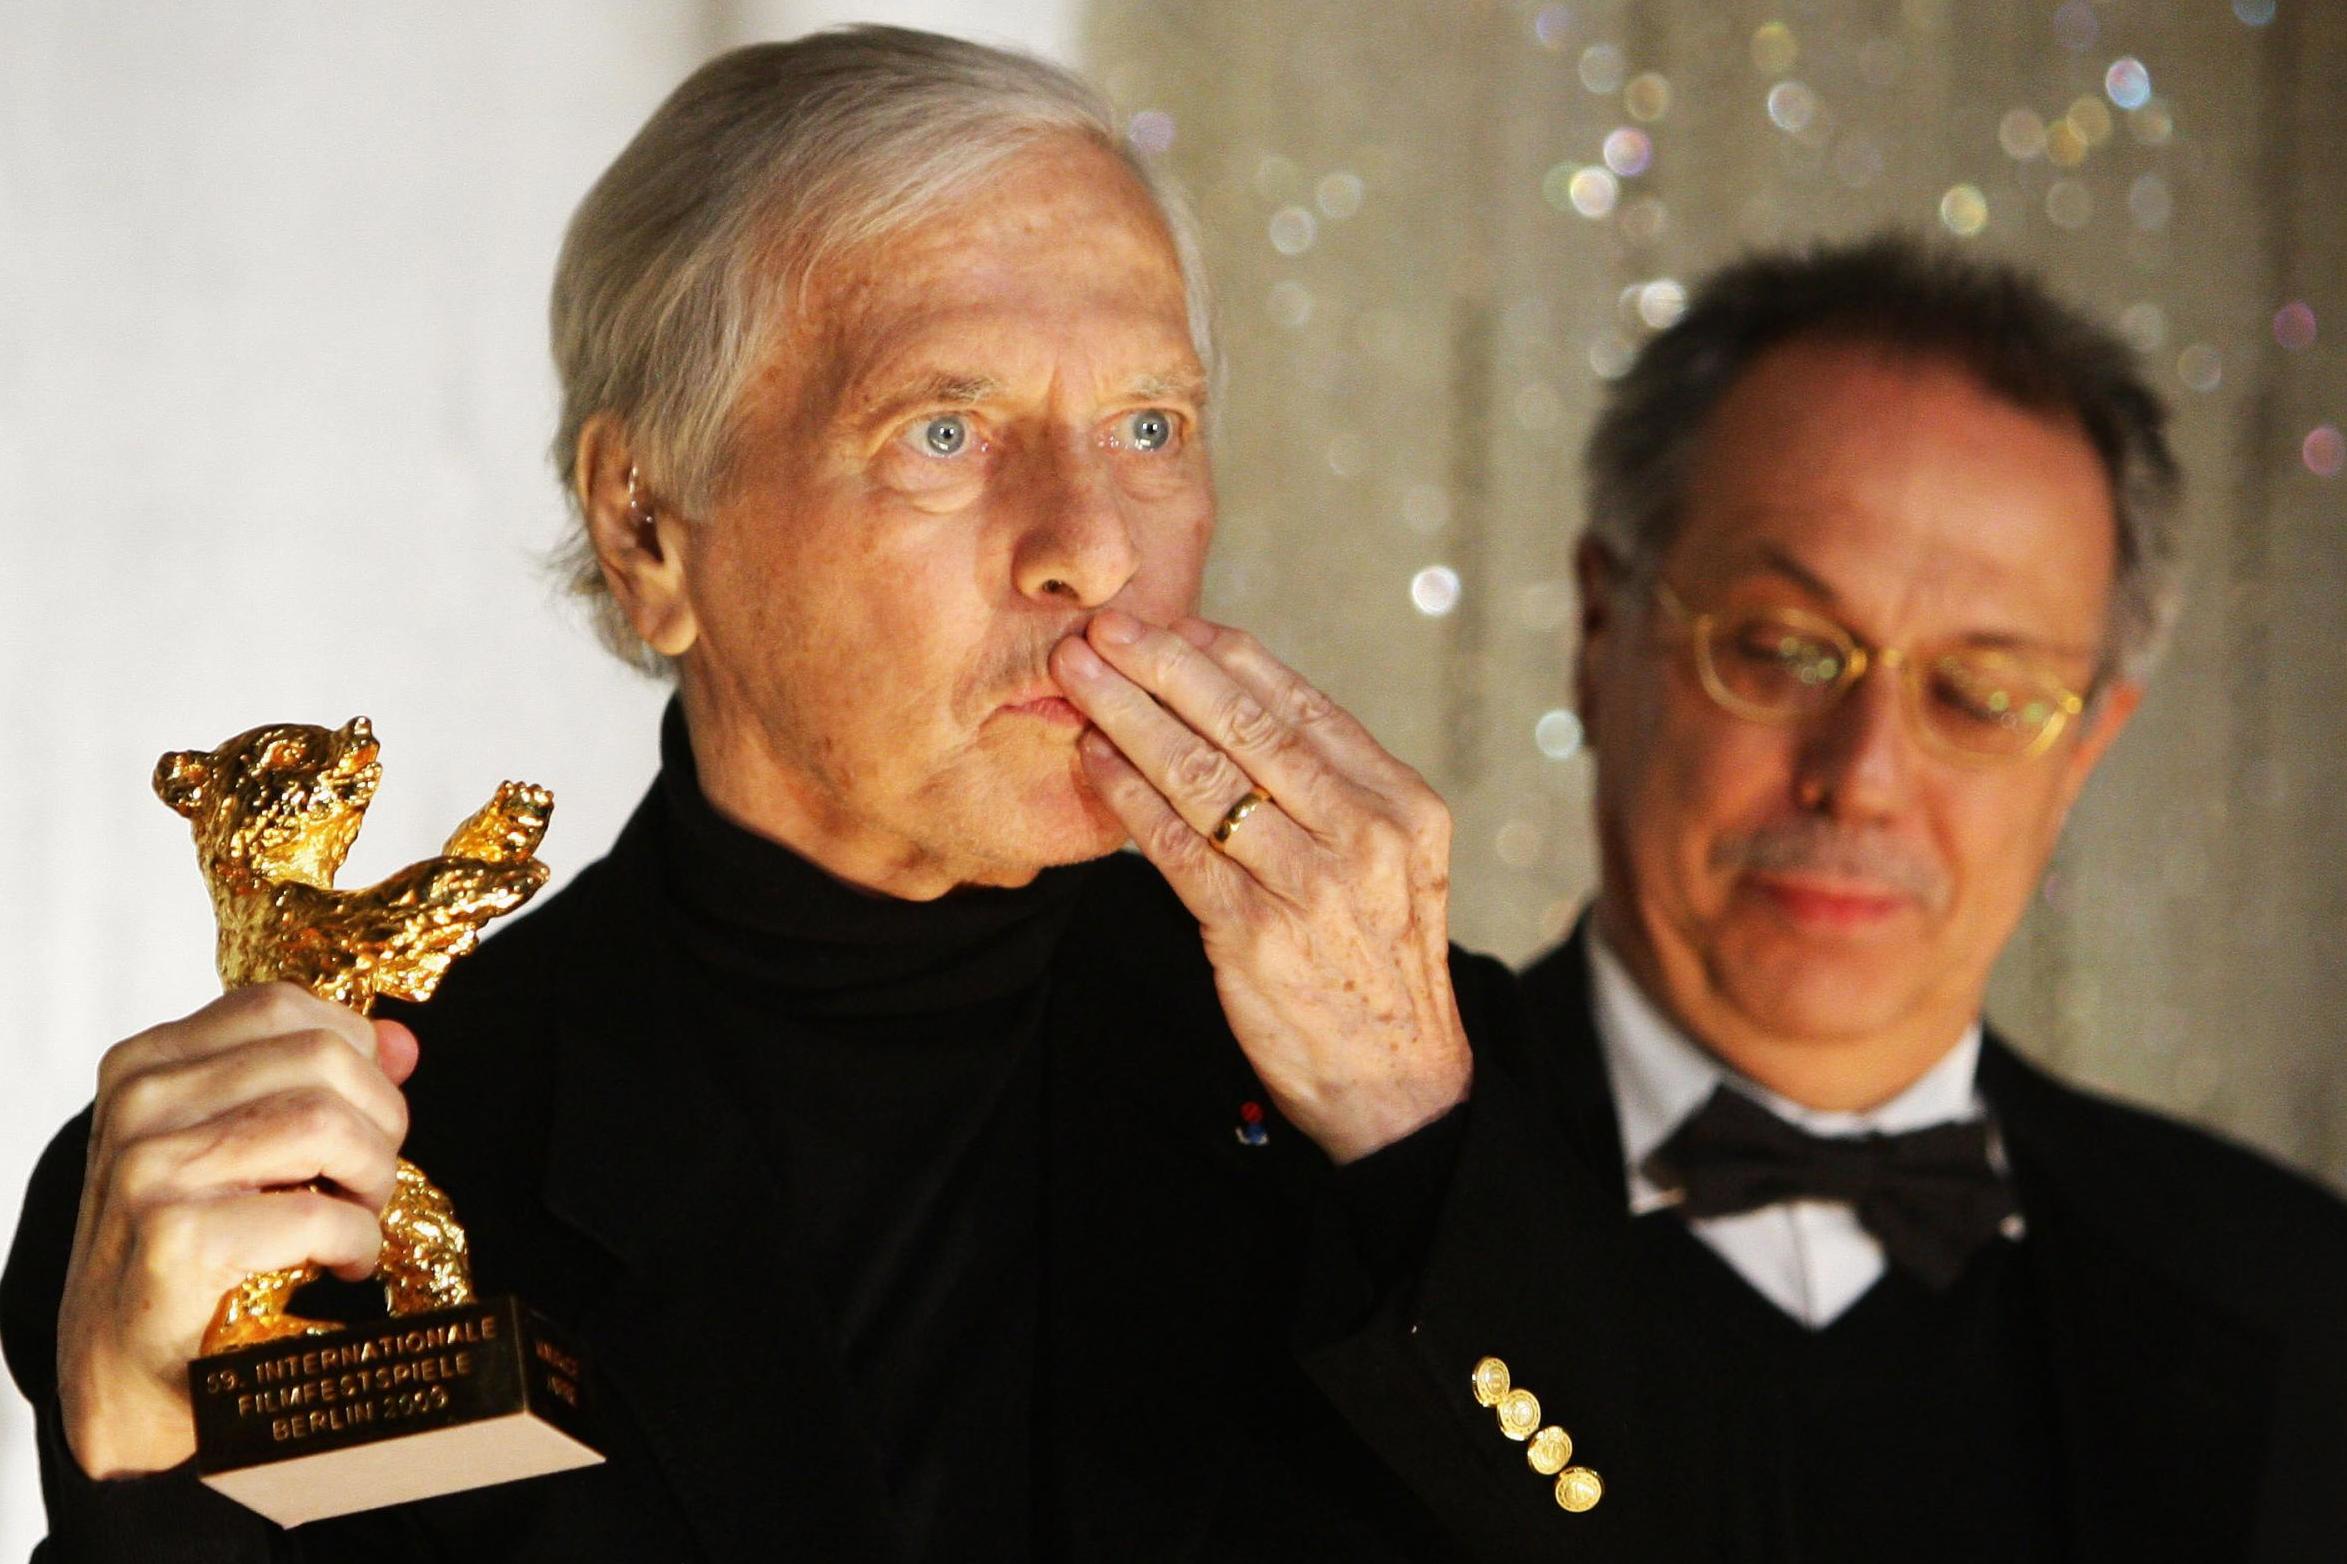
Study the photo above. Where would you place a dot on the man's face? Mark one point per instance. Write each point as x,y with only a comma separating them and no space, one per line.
990,428
1836,883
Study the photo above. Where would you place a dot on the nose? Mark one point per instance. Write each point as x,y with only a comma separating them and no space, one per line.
1076,545
1858,760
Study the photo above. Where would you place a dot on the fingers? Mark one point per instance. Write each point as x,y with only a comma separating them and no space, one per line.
1297,705
1200,737
216,1242
1206,883
290,1137
235,1018
396,1052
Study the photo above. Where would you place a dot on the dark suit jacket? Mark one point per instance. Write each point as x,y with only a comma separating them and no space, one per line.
1243,1354
2195,1298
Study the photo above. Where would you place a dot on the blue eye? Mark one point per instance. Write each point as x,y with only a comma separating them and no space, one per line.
945,435
1150,430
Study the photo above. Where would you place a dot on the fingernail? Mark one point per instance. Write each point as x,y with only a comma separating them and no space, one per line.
1081,661
1117,629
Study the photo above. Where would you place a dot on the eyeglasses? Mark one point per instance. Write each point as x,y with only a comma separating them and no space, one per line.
1976,705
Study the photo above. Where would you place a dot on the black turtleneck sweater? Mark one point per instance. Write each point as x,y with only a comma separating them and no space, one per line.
888,1050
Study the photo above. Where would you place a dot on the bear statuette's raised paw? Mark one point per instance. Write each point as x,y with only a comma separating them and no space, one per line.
275,811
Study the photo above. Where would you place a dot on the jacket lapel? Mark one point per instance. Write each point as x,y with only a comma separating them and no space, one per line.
2161,1392
652,1162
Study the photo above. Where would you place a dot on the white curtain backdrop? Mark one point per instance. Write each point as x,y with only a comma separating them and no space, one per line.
273,409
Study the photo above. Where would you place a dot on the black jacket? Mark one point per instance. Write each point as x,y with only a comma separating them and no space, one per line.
1244,1353
2194,1298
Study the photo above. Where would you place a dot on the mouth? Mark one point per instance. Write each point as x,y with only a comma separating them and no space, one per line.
1828,903
1045,705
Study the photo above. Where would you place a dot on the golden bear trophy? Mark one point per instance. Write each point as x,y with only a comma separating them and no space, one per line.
297,1418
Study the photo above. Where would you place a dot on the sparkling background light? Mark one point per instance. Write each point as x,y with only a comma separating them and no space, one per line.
2324,451
1964,211
1293,230
1592,191
1791,106
1421,394
1602,68
1151,132
2127,83
1434,591
1558,734
2294,326
1628,152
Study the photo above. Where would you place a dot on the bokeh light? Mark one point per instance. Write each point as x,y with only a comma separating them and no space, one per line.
1629,152
2153,124
2022,134
1293,230
1661,303
1275,176
1426,509
1791,106
1964,211
1339,195
1552,25
1610,355
1434,591
1557,734
2201,367
2145,326
1642,221
1151,132
1592,191
2069,204
2324,451
1647,98
1774,48
2127,83
1290,304
2294,326
2091,118
2255,13
1858,161
2149,202
2075,27
1517,844
1602,68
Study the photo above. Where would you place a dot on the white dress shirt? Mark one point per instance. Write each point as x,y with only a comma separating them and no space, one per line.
1810,1258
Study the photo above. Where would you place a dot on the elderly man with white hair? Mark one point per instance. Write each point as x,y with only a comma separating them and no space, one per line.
922,1178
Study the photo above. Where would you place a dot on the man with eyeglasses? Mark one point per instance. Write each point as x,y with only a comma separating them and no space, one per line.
1880,554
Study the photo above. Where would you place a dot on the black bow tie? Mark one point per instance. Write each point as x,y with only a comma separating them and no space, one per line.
1930,1197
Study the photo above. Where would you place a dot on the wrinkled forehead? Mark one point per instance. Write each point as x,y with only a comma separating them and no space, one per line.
1059,253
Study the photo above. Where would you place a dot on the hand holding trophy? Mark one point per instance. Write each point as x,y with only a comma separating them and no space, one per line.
256,1132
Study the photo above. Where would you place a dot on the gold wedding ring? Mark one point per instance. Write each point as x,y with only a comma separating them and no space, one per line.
1254,799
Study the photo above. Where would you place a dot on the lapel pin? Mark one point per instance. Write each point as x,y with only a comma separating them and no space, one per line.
1250,1128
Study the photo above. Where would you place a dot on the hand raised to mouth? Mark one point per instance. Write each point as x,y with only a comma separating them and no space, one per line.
1316,864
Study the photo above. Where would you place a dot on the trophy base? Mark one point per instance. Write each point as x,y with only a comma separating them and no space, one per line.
405,1408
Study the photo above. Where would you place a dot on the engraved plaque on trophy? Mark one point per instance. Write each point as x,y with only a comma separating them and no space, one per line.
299,1418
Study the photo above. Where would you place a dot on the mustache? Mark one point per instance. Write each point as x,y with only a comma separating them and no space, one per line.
1019,665
1809,844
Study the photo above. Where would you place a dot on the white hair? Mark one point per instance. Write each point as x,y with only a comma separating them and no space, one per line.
688,257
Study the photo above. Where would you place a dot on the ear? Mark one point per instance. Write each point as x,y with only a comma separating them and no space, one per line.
180,777
641,545
1595,575
2105,718
355,743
